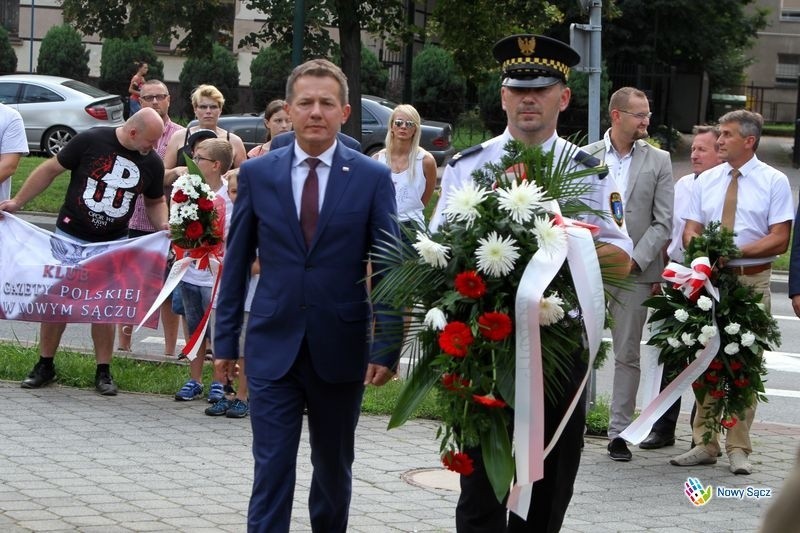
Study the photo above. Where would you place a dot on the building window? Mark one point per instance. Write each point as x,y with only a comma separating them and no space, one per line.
9,17
788,69
790,11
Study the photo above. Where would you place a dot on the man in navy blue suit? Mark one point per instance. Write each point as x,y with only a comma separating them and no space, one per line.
313,211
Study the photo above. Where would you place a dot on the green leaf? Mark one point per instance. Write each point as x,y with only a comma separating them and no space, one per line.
496,449
421,381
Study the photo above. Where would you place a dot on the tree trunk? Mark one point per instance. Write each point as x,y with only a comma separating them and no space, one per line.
350,43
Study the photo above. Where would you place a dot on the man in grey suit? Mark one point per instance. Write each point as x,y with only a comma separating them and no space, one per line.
644,173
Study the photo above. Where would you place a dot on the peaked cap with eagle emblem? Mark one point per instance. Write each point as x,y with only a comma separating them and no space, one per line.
529,60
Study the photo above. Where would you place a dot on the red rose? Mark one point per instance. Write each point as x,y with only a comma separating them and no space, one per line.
204,204
712,377
454,382
715,364
179,197
488,400
718,394
458,462
495,326
735,365
728,423
741,382
194,230
470,284
455,339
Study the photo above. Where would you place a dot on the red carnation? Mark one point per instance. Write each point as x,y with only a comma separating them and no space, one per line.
696,385
488,400
180,197
454,382
712,377
458,462
470,284
495,326
455,339
728,423
715,364
204,204
194,230
718,394
735,365
741,382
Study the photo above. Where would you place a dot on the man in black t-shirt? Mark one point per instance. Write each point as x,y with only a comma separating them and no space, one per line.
109,168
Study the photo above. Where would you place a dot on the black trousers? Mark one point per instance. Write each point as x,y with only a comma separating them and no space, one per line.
478,510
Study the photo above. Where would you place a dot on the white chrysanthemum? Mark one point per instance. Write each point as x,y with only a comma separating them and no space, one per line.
435,319
182,183
732,348
681,315
702,339
551,238
520,200
175,214
196,180
748,339
732,328
687,339
709,331
550,309
704,303
431,252
675,343
462,204
496,255
192,193
189,212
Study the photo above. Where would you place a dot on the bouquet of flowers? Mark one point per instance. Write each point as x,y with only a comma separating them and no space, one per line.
459,287
193,221
684,321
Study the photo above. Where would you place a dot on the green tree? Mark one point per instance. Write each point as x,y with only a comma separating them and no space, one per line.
220,70
63,54
438,89
350,17
374,74
198,24
268,73
118,60
8,59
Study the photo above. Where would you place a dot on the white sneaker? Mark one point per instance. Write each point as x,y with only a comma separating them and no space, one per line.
698,455
738,463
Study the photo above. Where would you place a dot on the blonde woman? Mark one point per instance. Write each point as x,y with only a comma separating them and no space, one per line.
277,121
413,168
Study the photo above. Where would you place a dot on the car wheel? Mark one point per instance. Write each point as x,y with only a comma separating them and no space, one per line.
372,150
55,139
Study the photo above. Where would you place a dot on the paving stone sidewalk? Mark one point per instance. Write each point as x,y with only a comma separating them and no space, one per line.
71,460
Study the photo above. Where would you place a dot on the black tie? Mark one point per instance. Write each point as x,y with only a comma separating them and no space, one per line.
309,202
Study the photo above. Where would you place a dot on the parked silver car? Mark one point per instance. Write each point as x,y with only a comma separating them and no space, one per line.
55,109
375,112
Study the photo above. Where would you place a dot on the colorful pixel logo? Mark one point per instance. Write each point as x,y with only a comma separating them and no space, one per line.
696,493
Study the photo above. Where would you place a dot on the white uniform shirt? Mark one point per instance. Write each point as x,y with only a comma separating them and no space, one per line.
764,199
457,175
683,202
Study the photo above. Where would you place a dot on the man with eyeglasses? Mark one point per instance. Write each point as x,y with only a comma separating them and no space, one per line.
153,94
644,175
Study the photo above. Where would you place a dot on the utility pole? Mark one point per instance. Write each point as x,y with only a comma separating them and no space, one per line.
298,27
585,38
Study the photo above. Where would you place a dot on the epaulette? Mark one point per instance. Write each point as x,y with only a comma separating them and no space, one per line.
464,153
590,161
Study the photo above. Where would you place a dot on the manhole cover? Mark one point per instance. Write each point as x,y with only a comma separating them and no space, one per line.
432,478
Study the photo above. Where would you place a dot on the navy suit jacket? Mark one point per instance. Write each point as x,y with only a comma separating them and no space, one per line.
794,259
287,138
317,293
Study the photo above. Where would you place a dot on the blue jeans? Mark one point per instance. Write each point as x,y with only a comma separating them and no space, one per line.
196,300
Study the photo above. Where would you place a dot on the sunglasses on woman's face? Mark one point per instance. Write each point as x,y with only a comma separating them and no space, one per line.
399,123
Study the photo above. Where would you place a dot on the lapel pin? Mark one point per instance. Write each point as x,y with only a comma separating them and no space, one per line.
345,169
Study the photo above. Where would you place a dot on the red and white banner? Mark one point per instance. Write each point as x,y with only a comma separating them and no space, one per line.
48,278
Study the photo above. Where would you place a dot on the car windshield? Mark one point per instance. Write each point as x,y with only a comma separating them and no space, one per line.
84,88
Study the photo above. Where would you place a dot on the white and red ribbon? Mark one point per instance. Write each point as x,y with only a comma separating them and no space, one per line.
529,448
640,428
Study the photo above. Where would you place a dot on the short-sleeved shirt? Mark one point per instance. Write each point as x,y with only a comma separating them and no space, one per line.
764,199
599,198
683,203
105,180
12,141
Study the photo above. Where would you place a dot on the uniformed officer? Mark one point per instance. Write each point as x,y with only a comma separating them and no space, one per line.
533,93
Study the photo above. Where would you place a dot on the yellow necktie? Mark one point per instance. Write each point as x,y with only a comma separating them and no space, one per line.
731,195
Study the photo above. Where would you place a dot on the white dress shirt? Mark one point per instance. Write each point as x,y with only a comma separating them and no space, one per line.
300,172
